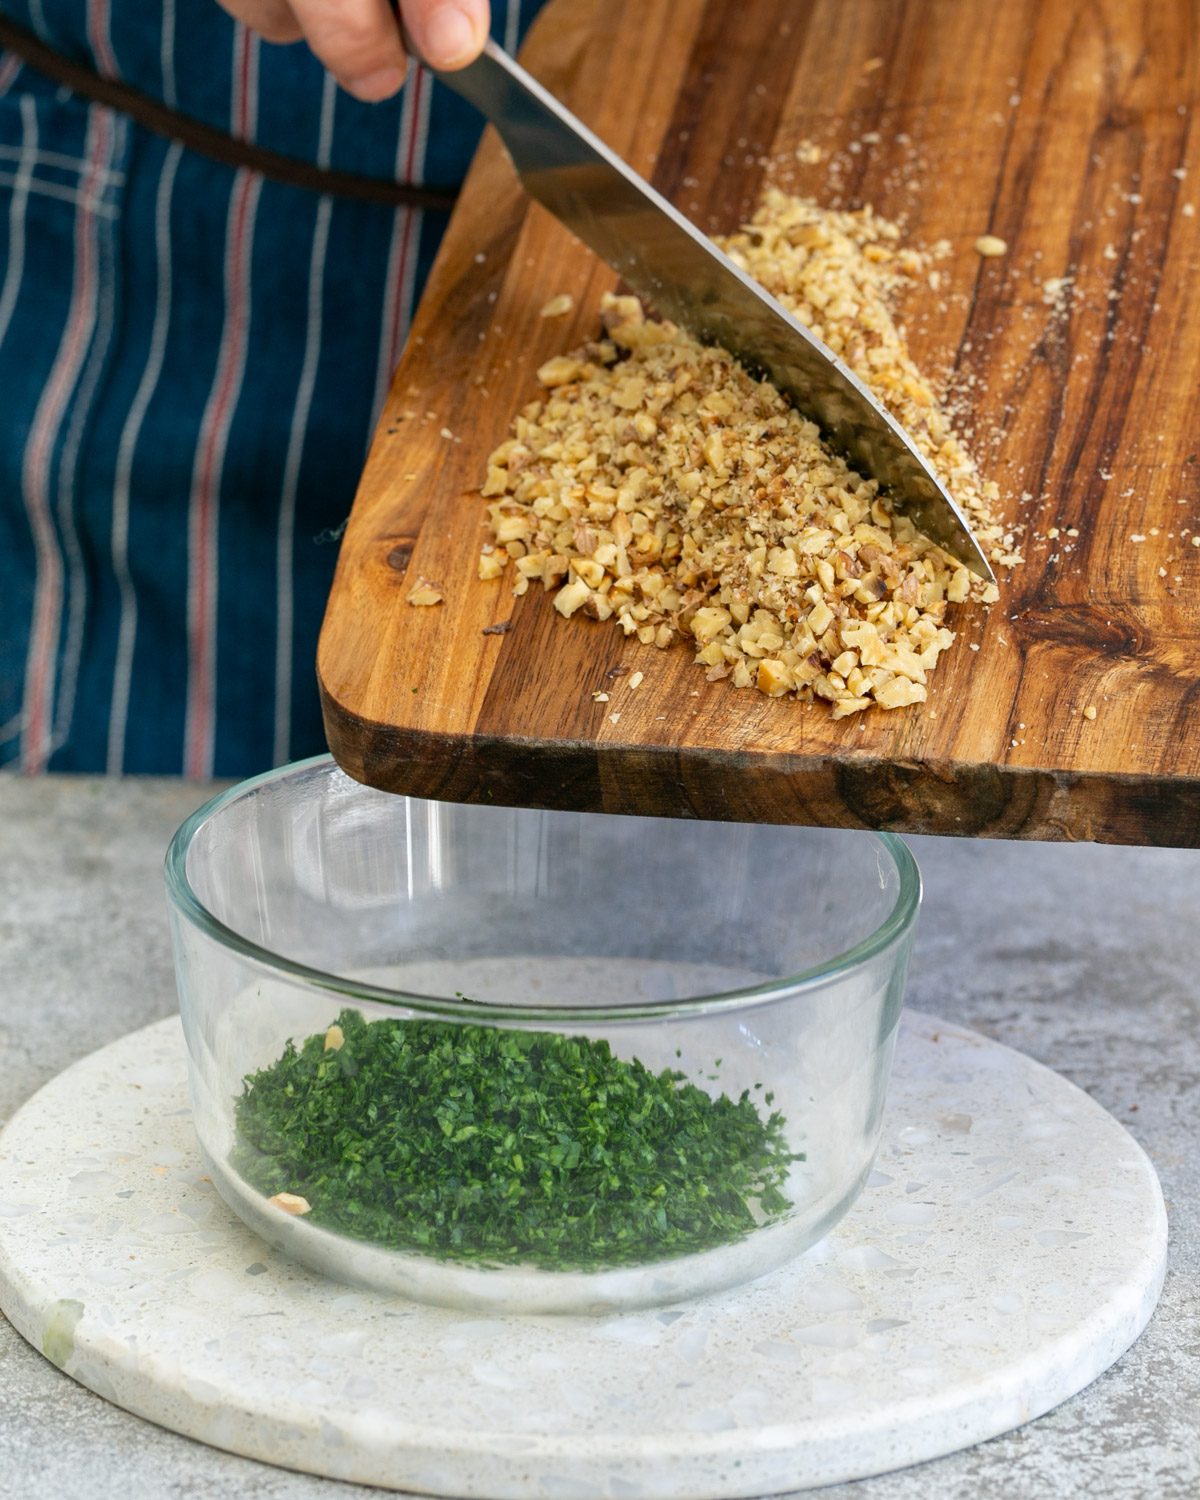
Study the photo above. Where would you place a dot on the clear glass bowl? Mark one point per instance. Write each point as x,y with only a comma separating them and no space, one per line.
465,1137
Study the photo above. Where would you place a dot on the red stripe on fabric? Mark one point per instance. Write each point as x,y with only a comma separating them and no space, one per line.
200,725
243,94
202,530
392,288
9,68
39,451
99,38
411,217
419,85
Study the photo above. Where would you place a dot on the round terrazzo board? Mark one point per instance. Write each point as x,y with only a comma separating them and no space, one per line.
1009,1246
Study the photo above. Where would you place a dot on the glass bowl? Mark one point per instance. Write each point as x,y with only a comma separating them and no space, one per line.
525,1061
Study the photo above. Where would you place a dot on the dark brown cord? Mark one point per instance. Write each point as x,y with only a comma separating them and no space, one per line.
206,139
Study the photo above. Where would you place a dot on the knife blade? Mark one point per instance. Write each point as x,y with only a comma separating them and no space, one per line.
679,271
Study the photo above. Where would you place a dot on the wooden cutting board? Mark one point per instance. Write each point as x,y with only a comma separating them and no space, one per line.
1066,130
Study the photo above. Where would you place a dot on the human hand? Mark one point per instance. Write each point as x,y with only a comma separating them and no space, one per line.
359,40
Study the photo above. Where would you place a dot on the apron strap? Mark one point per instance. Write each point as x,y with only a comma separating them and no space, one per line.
206,139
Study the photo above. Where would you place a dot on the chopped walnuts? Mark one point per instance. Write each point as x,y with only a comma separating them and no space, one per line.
291,1203
657,483
423,594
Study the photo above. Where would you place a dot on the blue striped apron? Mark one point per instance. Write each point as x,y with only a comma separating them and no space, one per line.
192,357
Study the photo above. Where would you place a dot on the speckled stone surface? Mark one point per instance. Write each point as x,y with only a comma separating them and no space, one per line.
1086,958
1008,1247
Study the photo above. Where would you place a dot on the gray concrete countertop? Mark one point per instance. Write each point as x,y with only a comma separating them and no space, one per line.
1086,958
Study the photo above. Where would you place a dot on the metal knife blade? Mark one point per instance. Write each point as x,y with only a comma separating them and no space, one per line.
667,260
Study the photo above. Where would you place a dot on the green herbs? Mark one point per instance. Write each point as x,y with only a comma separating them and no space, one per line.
503,1147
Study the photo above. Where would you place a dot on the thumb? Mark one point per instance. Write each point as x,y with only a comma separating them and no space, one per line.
446,33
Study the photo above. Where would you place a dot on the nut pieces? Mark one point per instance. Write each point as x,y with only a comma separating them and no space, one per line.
291,1203
658,483
423,593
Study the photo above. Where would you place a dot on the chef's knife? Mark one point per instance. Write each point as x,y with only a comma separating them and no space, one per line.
666,260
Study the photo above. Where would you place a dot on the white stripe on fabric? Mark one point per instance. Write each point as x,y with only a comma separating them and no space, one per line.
14,271
37,15
204,505
60,159
410,254
127,630
167,52
512,26
325,130
55,401
406,235
285,537
68,471
400,217
84,197
205,499
100,38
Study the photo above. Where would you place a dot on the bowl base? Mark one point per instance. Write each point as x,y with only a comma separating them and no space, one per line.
1008,1247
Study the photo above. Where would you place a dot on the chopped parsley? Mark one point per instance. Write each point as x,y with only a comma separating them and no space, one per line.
504,1147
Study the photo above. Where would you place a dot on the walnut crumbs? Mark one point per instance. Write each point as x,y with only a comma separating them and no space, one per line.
658,484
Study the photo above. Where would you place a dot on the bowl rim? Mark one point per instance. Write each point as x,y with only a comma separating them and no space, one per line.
898,924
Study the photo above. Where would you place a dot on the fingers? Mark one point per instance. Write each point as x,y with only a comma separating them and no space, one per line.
274,20
358,41
447,33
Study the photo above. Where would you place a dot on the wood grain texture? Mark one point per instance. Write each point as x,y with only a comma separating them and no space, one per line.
1066,129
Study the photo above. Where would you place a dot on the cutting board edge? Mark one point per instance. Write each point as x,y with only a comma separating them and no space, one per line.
952,798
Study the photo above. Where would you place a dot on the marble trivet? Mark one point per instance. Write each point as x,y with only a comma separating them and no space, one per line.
1009,1247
